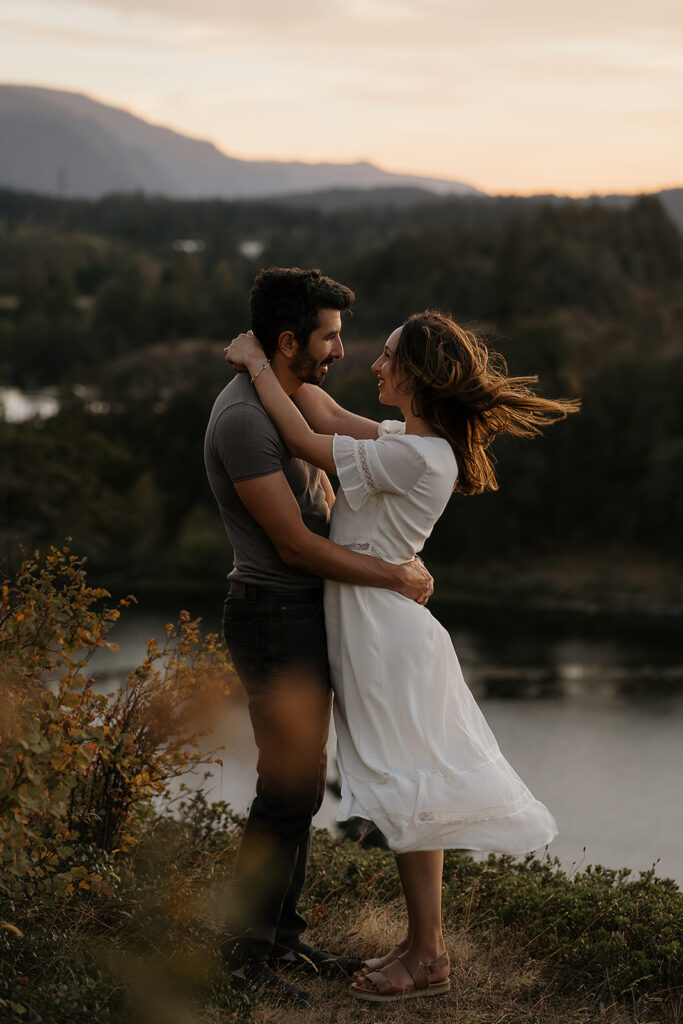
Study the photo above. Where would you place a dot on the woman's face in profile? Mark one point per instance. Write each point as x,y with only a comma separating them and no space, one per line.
385,368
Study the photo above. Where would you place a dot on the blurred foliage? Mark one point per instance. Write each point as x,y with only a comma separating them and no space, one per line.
143,950
112,898
148,950
99,300
80,768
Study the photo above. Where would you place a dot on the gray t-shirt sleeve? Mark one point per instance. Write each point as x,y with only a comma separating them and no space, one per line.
246,443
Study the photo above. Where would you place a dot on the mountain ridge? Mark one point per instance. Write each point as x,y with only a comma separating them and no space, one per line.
60,142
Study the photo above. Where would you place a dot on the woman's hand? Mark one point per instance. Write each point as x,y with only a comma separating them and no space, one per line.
245,353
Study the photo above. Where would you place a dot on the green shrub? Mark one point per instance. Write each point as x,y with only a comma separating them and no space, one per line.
600,926
141,952
601,929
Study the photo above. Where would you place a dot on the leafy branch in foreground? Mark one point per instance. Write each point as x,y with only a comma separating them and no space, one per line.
78,768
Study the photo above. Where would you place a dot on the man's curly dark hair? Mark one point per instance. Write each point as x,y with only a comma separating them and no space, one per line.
290,299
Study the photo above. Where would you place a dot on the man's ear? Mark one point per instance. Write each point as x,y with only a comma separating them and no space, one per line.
287,344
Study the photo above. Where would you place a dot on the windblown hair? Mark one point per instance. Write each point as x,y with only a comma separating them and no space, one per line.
290,299
463,391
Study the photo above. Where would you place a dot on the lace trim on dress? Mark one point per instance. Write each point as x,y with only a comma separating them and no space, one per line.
362,455
377,811
366,547
472,817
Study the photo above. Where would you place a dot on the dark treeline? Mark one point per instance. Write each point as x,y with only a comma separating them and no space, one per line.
124,304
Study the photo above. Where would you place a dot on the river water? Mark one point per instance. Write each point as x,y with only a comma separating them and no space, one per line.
588,710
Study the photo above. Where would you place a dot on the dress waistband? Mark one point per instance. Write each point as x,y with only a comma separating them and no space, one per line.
366,548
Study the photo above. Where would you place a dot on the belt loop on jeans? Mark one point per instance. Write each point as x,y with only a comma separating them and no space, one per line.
239,590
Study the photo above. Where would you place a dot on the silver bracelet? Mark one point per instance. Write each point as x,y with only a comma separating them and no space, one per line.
266,362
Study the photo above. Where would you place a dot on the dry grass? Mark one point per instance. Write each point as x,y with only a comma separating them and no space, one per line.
492,983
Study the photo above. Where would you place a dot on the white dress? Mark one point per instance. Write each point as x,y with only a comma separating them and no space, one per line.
416,755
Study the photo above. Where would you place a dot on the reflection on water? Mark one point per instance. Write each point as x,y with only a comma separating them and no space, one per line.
17,406
590,716
609,770
574,679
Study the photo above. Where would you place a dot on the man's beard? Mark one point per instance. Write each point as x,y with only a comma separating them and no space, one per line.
307,370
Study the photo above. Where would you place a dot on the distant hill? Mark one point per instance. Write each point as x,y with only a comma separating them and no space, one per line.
672,201
670,198
58,142
334,200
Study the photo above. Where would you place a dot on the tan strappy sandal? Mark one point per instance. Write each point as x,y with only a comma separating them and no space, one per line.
383,991
375,963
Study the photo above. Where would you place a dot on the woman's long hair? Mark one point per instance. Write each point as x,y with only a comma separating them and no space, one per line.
463,391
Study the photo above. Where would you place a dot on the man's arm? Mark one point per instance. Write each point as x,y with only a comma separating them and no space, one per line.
326,416
328,489
270,501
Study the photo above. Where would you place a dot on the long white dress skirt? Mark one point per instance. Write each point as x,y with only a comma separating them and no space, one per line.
416,755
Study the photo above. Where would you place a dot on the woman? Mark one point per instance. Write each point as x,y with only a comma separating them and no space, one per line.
415,753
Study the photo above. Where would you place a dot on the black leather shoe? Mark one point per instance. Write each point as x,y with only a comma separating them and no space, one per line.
257,977
309,960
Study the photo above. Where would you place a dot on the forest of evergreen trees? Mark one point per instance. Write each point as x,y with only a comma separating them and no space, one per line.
124,304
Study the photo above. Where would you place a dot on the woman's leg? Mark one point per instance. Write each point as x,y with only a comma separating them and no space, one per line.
421,878
421,875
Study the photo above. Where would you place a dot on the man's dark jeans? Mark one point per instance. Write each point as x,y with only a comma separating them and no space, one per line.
278,646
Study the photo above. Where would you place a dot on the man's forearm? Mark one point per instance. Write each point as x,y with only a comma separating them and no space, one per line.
322,557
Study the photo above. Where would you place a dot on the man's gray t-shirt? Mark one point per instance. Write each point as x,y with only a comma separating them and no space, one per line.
242,443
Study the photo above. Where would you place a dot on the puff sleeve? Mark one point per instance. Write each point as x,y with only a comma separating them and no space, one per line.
391,463
391,427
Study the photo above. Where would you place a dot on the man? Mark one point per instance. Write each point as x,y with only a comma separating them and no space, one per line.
276,512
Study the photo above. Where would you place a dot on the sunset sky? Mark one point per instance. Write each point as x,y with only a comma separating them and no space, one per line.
521,96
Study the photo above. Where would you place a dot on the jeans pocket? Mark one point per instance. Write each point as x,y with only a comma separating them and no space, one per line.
297,615
242,627
296,635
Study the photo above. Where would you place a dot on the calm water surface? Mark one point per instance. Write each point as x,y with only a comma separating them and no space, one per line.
588,711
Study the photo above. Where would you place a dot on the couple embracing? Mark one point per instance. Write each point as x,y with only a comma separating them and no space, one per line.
415,754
